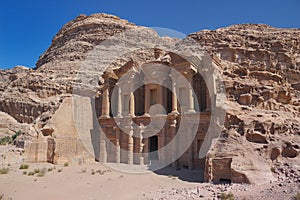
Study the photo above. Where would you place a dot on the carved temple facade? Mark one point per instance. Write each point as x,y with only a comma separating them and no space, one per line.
127,107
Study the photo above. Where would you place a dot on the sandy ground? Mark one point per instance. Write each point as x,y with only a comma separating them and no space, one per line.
87,183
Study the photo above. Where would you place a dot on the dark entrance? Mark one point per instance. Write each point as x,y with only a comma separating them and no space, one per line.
153,147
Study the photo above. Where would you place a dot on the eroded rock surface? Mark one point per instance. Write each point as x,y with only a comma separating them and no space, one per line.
261,72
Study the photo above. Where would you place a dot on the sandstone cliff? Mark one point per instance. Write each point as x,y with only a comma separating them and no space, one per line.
34,96
261,72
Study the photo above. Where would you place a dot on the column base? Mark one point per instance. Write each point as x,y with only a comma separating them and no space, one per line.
119,115
146,115
174,112
118,155
130,163
131,115
142,160
104,116
190,112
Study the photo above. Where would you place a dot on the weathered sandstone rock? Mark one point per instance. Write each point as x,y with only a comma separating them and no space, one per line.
245,99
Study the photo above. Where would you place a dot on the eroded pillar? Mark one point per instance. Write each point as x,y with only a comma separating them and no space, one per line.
140,145
191,108
174,99
130,146
118,148
190,149
147,100
173,130
119,112
102,149
160,98
105,104
131,105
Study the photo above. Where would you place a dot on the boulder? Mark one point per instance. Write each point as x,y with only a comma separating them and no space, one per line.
245,99
256,137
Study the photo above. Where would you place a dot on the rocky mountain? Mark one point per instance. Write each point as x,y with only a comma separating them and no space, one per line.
32,96
261,72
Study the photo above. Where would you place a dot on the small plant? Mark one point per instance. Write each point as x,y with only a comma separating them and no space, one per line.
30,173
41,174
100,172
24,172
9,140
36,171
83,170
59,170
3,198
5,140
66,164
50,169
297,196
24,166
225,196
4,170
14,137
93,172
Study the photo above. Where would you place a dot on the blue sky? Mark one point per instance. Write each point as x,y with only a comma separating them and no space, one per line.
27,26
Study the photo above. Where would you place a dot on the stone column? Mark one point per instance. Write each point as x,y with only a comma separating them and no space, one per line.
147,100
140,144
174,99
131,105
190,96
130,146
119,112
190,150
146,150
210,87
105,104
103,152
174,145
160,98
118,148
142,162
208,100
163,154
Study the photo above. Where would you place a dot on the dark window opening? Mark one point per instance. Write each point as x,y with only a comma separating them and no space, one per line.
139,100
153,147
200,89
169,100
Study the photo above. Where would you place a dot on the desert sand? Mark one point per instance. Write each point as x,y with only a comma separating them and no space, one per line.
96,181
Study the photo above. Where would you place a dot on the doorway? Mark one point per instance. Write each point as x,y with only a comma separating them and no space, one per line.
153,147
